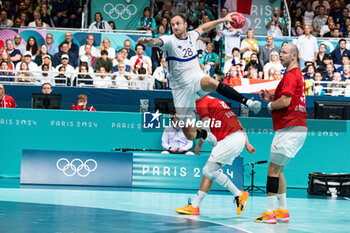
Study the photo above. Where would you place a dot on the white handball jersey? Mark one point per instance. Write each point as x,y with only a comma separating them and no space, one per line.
181,56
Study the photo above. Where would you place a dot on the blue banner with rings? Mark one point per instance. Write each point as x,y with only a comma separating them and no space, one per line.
76,168
125,13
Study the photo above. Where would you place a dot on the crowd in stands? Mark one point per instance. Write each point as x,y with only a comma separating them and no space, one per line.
225,53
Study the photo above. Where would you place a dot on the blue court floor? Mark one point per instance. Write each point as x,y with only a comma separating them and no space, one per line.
45,209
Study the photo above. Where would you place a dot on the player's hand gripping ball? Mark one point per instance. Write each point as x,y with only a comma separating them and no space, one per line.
238,20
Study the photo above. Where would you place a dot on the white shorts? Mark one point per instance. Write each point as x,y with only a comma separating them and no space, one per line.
185,98
286,144
228,148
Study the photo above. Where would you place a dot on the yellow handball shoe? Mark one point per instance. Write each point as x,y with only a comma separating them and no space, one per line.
241,202
189,209
282,215
267,217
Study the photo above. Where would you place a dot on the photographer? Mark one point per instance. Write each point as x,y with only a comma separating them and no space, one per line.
276,24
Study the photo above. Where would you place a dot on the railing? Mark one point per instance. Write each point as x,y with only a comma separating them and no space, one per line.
288,20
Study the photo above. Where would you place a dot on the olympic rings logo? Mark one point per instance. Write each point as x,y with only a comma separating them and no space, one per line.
76,167
120,10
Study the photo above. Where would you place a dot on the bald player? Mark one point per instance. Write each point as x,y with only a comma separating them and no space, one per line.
289,122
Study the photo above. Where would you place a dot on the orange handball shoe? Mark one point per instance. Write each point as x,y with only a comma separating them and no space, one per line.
189,209
282,215
241,202
267,217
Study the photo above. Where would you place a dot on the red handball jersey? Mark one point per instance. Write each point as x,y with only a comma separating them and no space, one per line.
218,111
293,85
7,102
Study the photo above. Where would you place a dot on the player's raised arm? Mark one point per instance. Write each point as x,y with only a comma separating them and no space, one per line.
153,42
212,24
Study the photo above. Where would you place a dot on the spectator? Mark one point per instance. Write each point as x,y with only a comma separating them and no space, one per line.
310,74
327,27
44,77
72,57
323,3
232,39
60,13
340,52
328,75
82,104
4,20
15,54
69,68
140,60
104,61
112,24
83,79
330,33
319,21
5,76
346,72
119,58
127,46
309,14
40,57
174,140
23,76
320,55
199,13
99,23
336,33
106,45
233,79
93,50
335,87
307,46
299,31
210,61
46,88
32,47
276,24
160,75
223,26
146,22
318,88
254,62
160,31
274,62
345,61
277,75
166,10
124,54
141,82
37,17
249,46
18,44
90,59
74,48
75,10
6,101
156,56
166,25
298,16
52,47
6,57
121,78
252,72
45,14
337,14
235,55
61,79
27,58
102,80
327,59
46,59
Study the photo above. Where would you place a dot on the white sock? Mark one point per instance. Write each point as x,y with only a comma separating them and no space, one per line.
199,198
282,201
224,181
271,203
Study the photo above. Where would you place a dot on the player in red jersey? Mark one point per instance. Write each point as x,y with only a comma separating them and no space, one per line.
231,140
6,101
289,122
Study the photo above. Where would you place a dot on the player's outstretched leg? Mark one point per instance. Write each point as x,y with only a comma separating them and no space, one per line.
211,170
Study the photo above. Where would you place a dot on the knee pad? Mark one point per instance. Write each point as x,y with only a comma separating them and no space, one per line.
210,169
272,184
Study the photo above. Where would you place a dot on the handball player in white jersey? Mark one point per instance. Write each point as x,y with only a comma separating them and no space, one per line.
186,78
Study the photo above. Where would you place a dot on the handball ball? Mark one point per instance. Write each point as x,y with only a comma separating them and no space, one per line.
238,20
